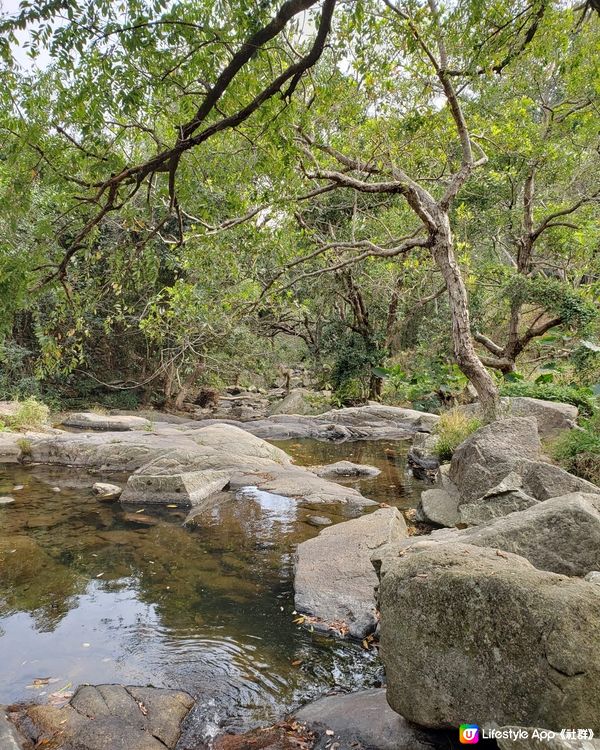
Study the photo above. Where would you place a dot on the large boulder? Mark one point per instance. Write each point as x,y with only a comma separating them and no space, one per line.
189,488
365,721
561,535
467,632
105,422
552,417
544,481
112,717
485,458
334,580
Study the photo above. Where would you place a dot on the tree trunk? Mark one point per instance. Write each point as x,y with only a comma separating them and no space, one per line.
464,350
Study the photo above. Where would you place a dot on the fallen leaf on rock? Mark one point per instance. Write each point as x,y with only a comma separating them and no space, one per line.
296,662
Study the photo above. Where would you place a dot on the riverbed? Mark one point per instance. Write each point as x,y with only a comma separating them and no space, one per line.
94,592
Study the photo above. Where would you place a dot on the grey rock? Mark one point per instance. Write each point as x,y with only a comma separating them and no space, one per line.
117,423
491,453
302,401
466,632
561,535
538,739
318,521
543,481
189,488
10,738
6,500
106,491
364,721
438,506
552,417
334,579
593,577
506,497
345,469
113,717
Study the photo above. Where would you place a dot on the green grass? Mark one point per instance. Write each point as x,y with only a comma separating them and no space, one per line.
453,428
578,450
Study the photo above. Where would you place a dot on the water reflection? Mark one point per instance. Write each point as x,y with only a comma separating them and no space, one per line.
94,592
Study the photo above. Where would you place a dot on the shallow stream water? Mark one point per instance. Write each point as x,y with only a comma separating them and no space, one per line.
95,592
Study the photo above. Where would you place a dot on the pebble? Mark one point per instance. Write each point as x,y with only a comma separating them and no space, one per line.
6,500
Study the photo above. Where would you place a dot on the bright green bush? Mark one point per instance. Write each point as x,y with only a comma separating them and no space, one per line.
578,450
453,427
582,398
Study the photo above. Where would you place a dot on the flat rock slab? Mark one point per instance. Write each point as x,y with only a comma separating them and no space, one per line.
334,580
187,489
364,721
466,632
92,421
112,717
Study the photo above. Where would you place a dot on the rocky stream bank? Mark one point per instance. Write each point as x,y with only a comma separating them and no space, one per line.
493,620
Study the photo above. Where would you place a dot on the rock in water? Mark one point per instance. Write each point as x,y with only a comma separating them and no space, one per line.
113,717
345,469
334,579
470,632
364,721
106,491
6,500
185,489
318,521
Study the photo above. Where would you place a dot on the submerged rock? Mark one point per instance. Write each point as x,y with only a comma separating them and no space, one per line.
364,721
345,469
112,717
318,521
106,491
334,580
468,632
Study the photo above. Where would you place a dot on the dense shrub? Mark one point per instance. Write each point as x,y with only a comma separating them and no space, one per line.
453,428
30,414
579,450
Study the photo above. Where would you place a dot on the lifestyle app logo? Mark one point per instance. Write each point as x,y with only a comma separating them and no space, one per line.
468,734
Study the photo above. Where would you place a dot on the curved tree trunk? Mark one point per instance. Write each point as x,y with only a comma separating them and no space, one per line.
464,350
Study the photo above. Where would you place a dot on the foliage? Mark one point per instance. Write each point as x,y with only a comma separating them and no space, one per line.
578,450
453,428
583,398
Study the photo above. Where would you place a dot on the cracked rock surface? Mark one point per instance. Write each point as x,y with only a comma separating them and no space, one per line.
111,717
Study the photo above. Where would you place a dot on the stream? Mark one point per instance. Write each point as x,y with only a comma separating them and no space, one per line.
94,592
